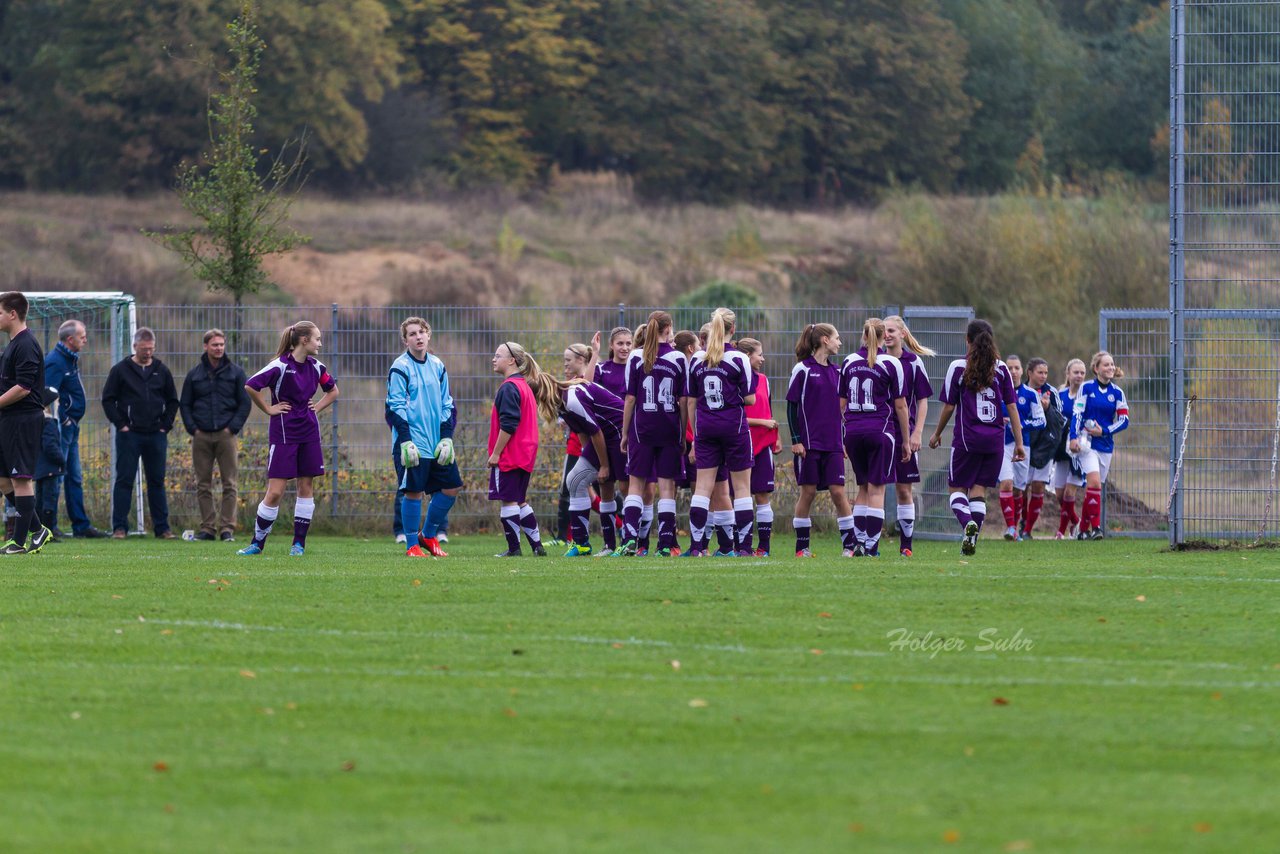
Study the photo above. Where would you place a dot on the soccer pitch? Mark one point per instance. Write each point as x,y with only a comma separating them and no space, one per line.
1037,696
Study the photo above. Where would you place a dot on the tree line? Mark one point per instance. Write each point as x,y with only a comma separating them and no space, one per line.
779,101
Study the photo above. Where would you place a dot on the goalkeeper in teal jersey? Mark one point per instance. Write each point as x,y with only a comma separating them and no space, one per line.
420,411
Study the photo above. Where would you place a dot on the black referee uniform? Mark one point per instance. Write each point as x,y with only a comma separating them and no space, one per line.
22,423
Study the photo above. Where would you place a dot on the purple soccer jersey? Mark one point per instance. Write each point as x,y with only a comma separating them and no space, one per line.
979,418
917,387
590,408
294,383
612,376
655,418
870,392
815,390
719,392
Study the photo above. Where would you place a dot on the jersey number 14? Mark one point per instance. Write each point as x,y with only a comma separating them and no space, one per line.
664,396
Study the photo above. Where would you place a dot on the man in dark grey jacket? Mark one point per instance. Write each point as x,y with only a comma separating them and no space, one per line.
140,399
214,408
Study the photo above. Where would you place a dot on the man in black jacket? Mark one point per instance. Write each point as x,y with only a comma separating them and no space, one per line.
214,408
140,399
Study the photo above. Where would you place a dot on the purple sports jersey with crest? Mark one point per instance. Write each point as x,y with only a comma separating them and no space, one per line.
917,387
719,392
294,383
590,408
655,418
612,376
979,416
870,392
815,389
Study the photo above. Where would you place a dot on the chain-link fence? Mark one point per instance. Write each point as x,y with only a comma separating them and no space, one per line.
1224,202
361,342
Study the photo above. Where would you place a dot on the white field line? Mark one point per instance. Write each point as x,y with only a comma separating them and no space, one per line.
1007,657
779,679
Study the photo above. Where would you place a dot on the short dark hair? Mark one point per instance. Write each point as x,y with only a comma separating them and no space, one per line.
214,333
15,301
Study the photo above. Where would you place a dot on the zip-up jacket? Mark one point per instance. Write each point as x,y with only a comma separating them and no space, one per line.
143,399
62,372
214,399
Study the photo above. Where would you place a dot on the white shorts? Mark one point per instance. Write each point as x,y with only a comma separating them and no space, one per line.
1063,475
1044,474
1006,464
1091,461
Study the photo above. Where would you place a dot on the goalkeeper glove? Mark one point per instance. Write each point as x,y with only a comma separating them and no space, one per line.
409,455
444,452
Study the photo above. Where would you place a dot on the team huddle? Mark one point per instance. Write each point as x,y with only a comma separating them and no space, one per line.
666,410
663,411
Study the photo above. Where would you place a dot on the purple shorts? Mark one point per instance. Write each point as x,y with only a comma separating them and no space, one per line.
733,452
661,461
287,461
617,462
969,468
509,487
872,456
762,472
908,472
823,469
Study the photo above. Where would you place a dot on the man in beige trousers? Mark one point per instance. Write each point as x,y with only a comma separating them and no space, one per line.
214,408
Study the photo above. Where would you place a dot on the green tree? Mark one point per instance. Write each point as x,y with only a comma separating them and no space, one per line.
243,212
493,63
872,95
678,101
691,308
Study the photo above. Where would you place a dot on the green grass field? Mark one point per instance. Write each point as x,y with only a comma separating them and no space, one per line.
173,697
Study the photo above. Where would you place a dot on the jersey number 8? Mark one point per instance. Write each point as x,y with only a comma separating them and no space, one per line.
713,391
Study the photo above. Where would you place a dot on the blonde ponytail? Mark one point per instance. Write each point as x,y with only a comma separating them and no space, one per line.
872,338
722,324
907,338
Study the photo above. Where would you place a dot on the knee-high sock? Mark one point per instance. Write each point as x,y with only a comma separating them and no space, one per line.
303,509
764,524
743,519
1066,509
666,523
26,520
607,531
1093,508
410,515
875,525
510,515
1008,508
529,524
1034,504
802,527
859,525
579,519
723,522
906,525
850,533
632,507
646,525
437,514
978,511
960,507
262,524
699,511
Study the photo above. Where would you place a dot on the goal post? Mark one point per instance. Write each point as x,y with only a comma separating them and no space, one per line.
110,319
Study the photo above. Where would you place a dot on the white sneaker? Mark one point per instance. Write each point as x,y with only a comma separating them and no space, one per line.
442,537
401,539
1011,533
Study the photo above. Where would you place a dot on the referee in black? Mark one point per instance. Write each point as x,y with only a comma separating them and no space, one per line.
21,423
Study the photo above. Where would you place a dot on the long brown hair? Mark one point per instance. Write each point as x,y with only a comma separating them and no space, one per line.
907,338
291,337
872,338
980,362
722,326
811,339
659,322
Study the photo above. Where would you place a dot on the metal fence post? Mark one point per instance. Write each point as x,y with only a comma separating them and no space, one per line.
333,418
1177,274
622,314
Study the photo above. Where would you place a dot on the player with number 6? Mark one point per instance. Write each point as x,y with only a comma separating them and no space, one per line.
976,385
